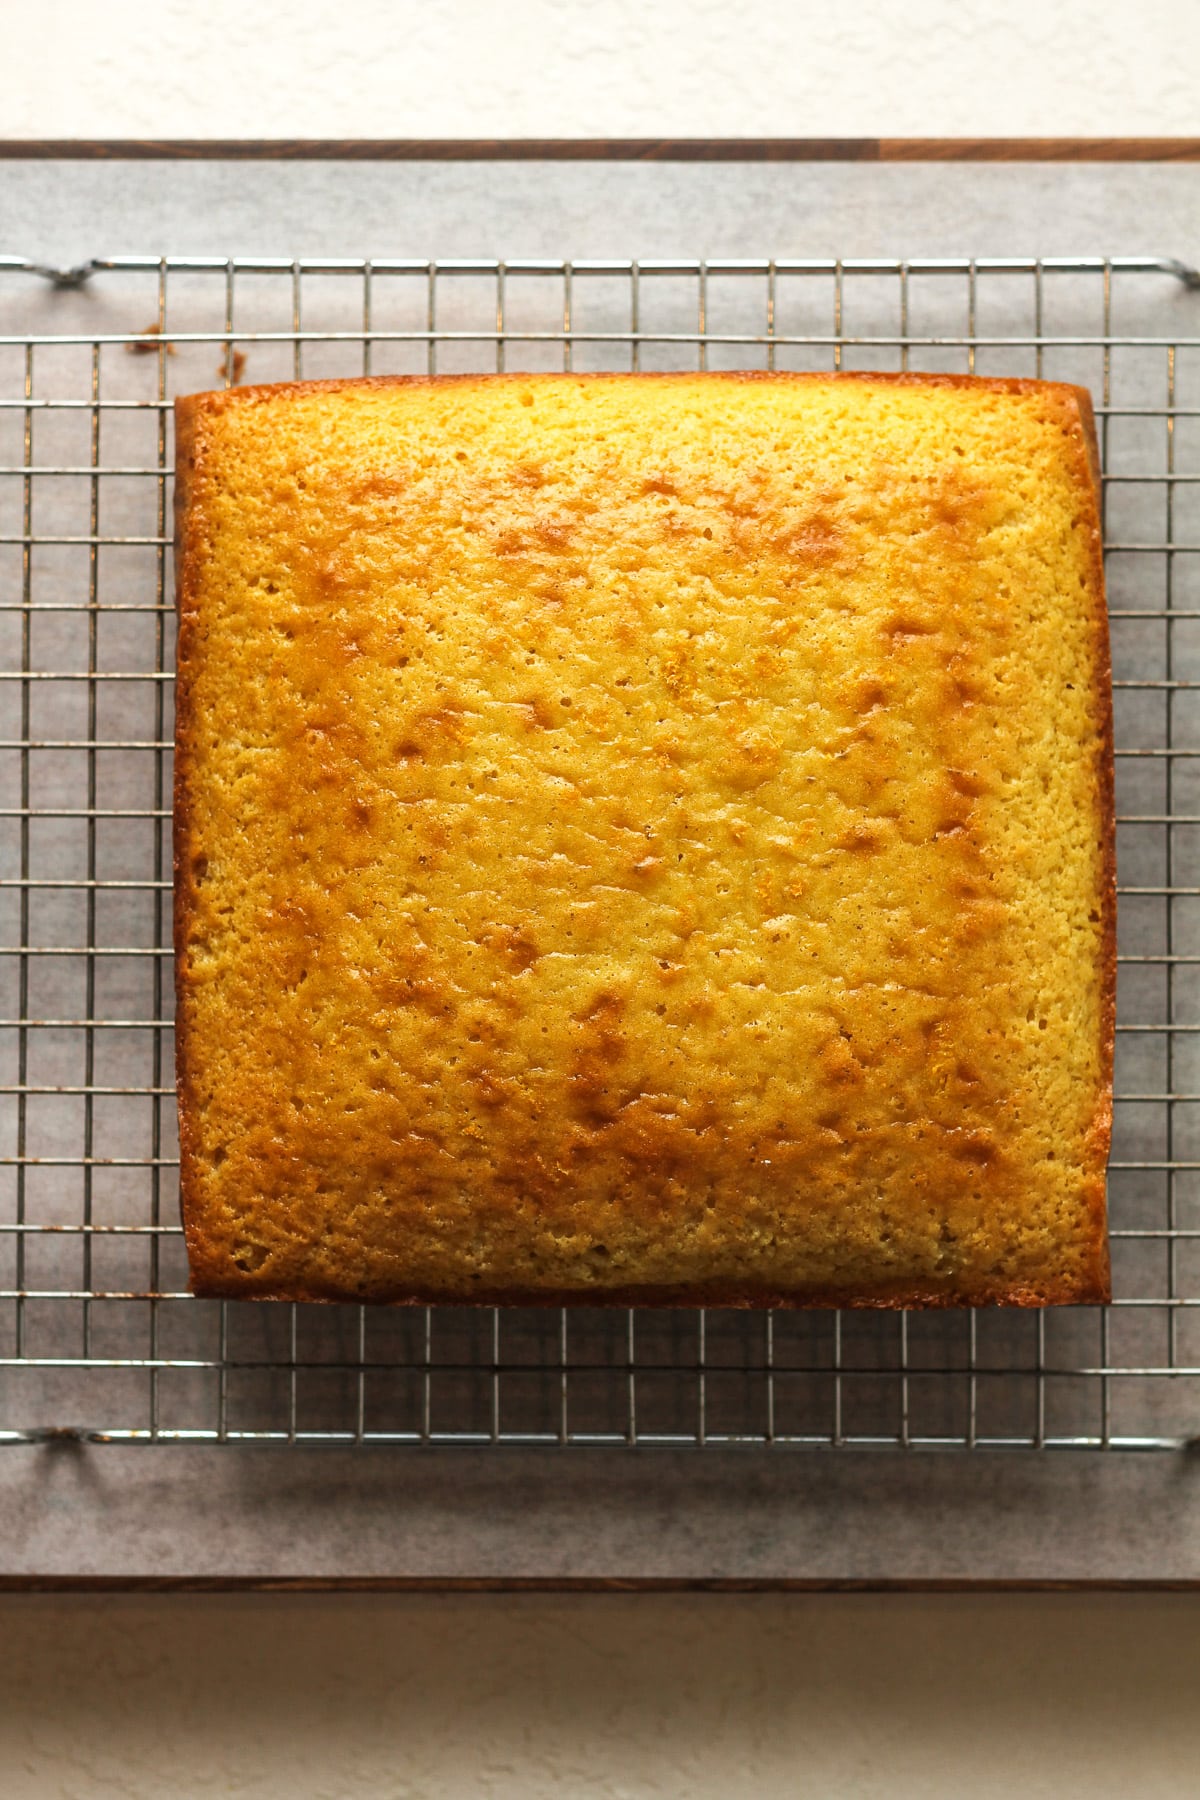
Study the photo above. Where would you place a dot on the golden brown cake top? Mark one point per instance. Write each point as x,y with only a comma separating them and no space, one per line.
645,836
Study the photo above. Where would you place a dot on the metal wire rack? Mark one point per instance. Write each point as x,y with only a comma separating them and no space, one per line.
98,1336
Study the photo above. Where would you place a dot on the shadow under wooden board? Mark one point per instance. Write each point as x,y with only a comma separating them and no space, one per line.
505,1584
1098,149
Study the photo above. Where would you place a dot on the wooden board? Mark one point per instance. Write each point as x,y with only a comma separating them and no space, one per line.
100,1517
755,150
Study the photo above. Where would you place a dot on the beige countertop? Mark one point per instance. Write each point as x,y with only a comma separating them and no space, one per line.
619,1697
599,68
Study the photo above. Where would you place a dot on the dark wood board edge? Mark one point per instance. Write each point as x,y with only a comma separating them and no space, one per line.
511,1584
1091,150
1108,149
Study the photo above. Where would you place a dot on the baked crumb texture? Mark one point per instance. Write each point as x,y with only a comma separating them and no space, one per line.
644,839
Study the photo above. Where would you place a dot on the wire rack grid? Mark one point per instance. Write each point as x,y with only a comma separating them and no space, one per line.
99,1338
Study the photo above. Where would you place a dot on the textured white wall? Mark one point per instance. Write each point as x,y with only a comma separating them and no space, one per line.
578,68
615,1698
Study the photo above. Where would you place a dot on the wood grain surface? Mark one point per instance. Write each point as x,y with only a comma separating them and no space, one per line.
1100,149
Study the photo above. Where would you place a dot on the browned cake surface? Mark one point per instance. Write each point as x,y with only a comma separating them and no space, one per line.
644,838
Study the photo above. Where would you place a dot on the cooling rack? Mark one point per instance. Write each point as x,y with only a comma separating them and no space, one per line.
99,1338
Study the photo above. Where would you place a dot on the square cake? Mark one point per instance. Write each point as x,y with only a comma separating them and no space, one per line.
644,839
